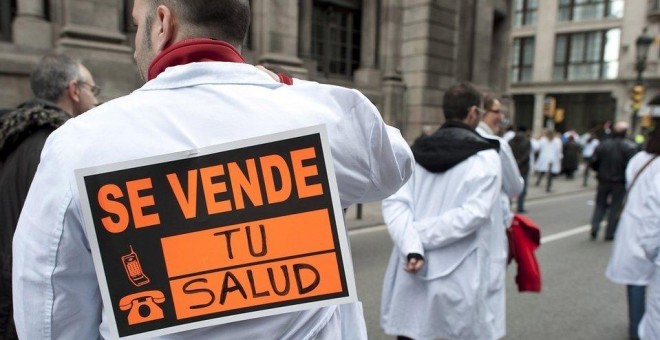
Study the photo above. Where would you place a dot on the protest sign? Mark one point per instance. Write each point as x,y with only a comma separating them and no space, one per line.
220,234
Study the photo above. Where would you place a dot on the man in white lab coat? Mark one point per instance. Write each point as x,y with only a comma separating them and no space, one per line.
512,186
199,93
442,222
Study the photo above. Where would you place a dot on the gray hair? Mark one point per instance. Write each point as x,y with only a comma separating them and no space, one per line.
50,79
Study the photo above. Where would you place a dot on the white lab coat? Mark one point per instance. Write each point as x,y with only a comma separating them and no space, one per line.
550,152
628,264
512,186
56,294
649,239
448,218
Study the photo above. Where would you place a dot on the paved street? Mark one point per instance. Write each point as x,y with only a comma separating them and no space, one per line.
577,302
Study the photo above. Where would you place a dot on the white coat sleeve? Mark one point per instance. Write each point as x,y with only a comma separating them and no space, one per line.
512,182
371,160
482,192
56,293
649,230
390,158
398,216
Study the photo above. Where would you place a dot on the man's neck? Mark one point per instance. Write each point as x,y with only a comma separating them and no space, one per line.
66,106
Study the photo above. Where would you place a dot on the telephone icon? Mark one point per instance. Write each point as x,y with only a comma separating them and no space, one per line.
143,306
134,269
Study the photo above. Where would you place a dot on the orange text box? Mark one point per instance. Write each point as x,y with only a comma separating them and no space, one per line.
250,242
258,285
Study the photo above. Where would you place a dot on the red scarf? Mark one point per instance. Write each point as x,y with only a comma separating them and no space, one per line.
198,50
191,51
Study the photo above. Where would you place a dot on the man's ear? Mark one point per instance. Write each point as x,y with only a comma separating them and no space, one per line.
472,116
166,30
73,91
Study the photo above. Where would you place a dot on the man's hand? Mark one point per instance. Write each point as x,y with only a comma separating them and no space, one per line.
414,263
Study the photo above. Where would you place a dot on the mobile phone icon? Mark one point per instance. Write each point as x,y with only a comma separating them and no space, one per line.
134,269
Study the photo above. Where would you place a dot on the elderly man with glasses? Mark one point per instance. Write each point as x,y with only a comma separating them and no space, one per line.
63,88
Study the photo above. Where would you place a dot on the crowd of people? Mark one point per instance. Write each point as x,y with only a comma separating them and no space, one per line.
447,199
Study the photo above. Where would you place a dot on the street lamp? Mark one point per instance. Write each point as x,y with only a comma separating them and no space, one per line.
642,45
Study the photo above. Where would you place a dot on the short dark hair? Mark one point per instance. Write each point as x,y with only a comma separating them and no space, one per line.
458,100
653,145
51,77
226,20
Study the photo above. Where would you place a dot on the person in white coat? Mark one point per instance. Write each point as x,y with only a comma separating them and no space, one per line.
199,93
442,222
629,264
649,327
512,186
548,162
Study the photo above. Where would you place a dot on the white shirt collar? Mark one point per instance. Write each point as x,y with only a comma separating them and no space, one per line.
209,73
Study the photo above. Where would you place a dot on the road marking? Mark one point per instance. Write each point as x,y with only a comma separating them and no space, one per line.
565,234
367,230
546,239
545,200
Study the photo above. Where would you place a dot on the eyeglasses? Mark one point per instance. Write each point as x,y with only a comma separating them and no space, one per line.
498,111
93,88
480,111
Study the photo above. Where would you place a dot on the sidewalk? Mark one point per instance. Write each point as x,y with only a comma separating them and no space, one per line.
371,212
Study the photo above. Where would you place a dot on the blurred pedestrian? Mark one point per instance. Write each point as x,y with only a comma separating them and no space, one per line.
610,160
522,150
200,94
548,161
441,223
637,237
587,152
63,88
571,157
512,186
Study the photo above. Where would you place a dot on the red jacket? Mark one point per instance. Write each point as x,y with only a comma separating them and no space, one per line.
524,237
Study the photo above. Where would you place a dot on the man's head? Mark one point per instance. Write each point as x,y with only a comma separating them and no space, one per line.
161,23
494,113
463,102
66,82
620,129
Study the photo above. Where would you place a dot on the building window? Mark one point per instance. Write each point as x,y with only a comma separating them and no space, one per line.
522,60
525,12
587,55
578,10
7,13
336,37
654,5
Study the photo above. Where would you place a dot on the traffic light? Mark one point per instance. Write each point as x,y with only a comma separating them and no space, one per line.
559,115
646,121
549,105
637,97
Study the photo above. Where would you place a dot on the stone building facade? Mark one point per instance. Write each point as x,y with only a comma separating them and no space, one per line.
583,55
401,53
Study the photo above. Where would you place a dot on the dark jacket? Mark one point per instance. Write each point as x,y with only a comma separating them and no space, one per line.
23,133
522,149
450,145
571,156
611,158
